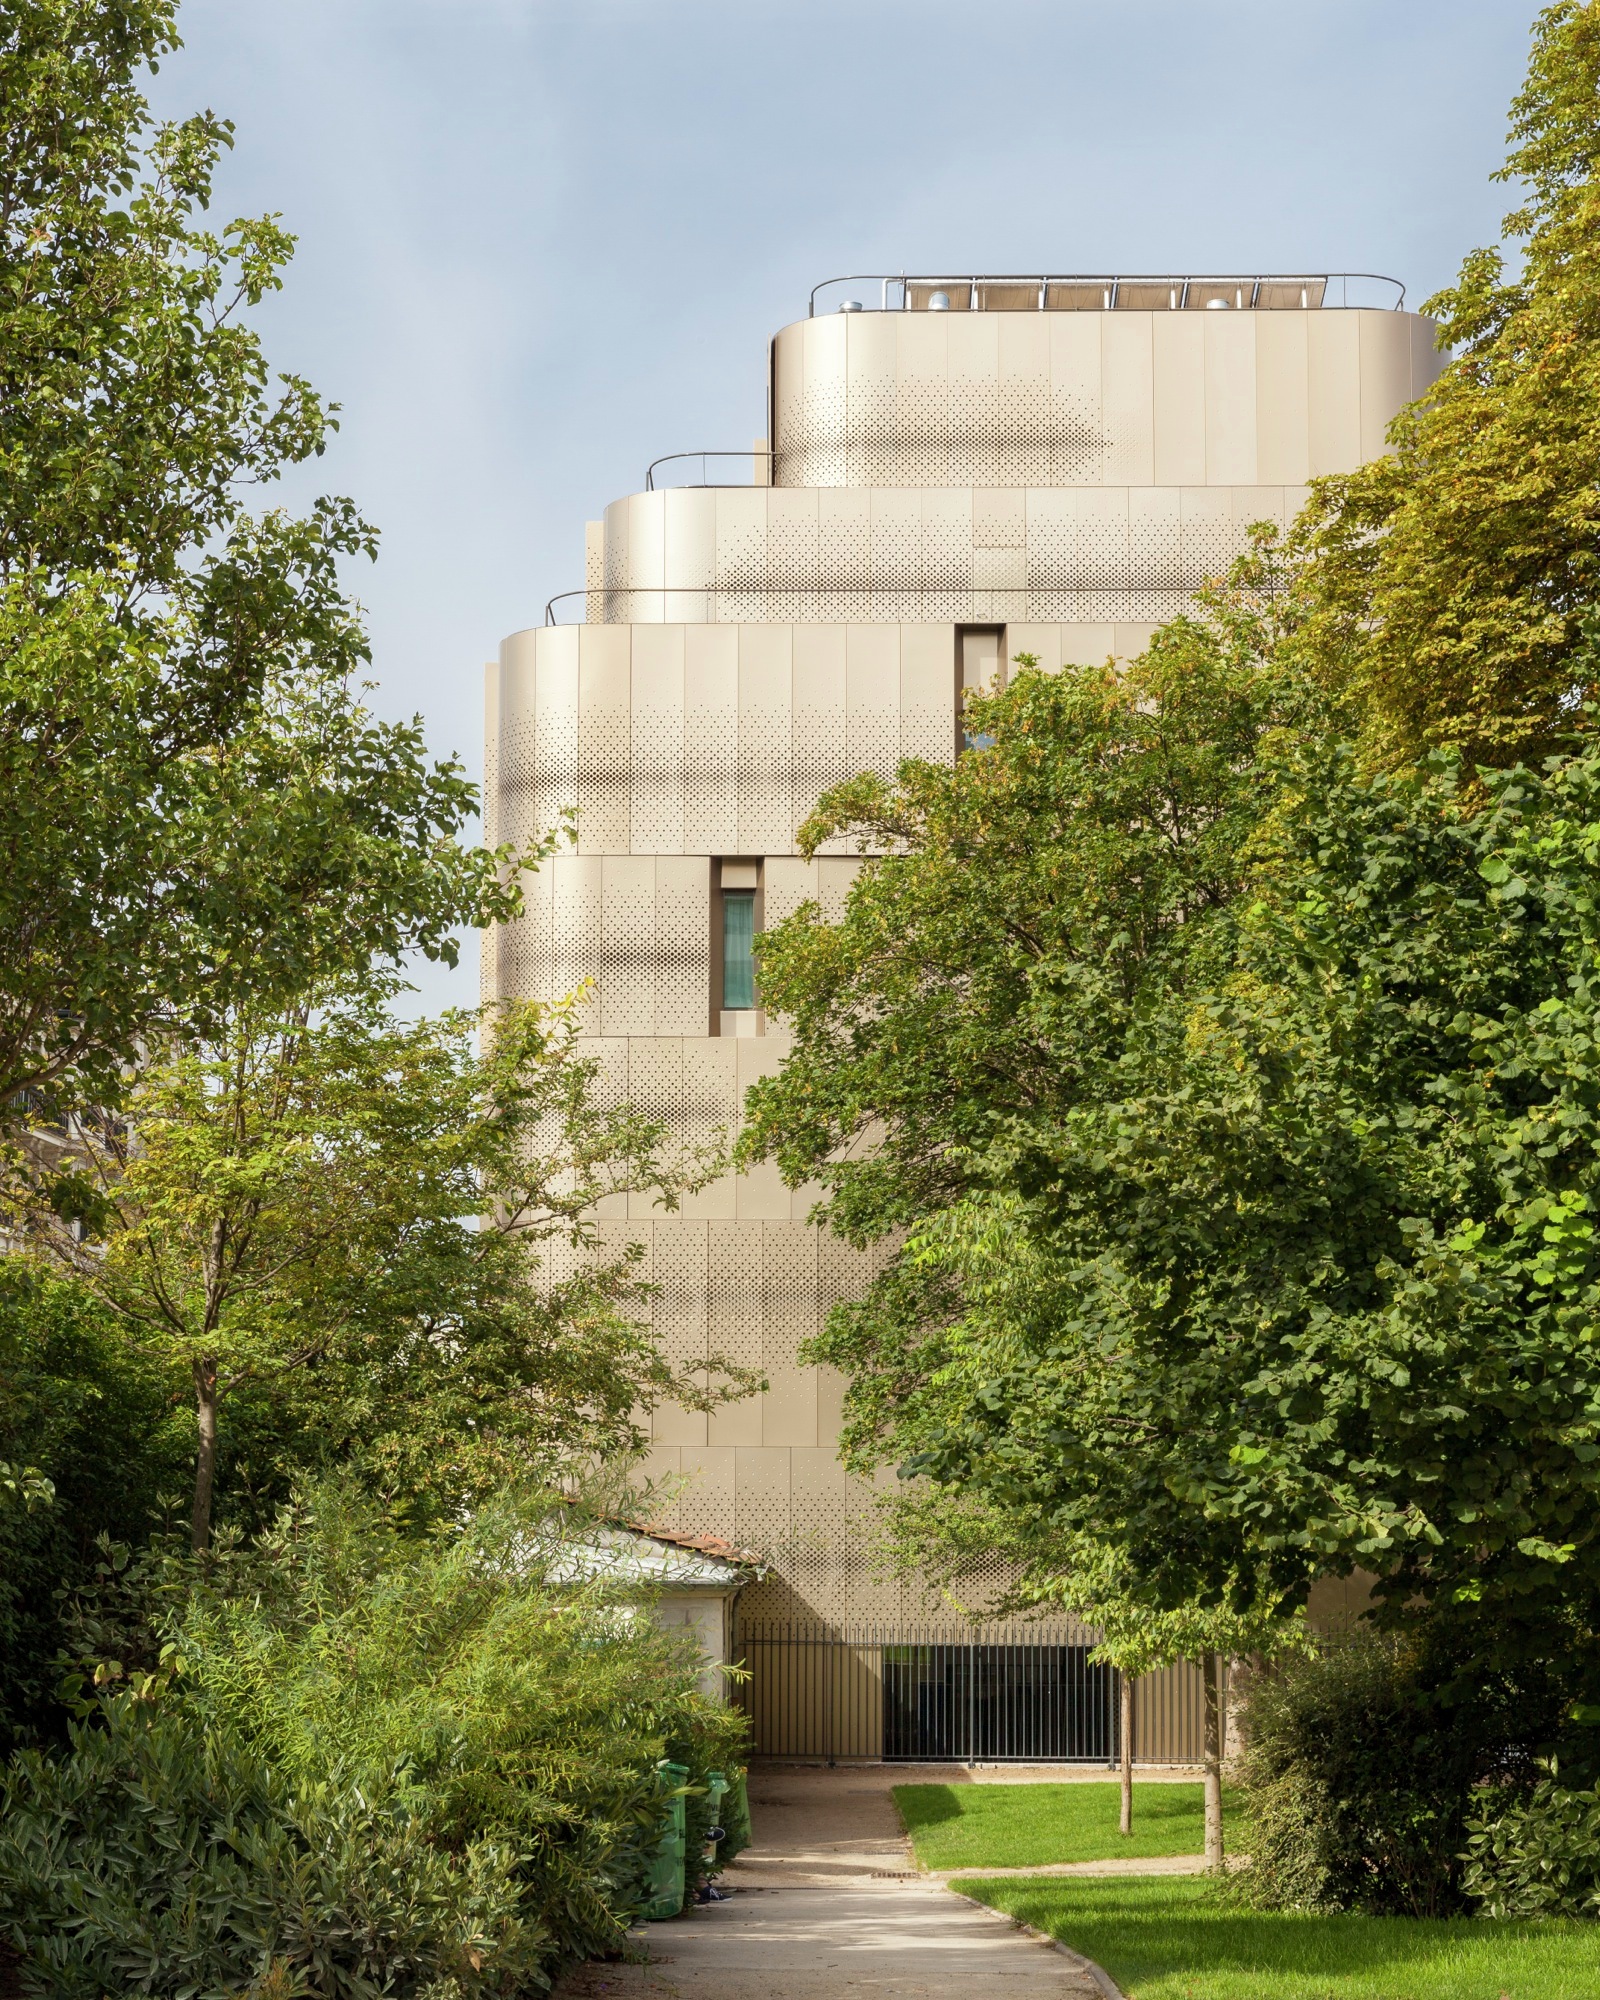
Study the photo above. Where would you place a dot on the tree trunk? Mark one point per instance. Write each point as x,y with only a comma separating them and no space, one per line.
1126,1733
1211,1675
205,1465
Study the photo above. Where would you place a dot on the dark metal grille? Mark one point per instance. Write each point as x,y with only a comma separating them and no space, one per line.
995,1704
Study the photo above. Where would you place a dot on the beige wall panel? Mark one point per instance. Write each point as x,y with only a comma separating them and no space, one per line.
681,1268
823,351
627,991
1127,397
741,552
834,876
844,555
786,883
974,345
647,558
943,564
818,746
766,665
789,1405
660,1462
1128,641
872,688
871,356
1427,361
656,812
577,901
707,1503
998,579
1230,396
897,539
730,1425
922,346
927,692
1087,645
711,739
760,1195
716,1202
540,774
733,1293
1043,641
1333,373
791,522
761,1495
1024,346
1179,398
1283,416
670,1424
1000,517
1385,348
682,954
691,553
872,669
711,1088
831,1385
655,1087
605,739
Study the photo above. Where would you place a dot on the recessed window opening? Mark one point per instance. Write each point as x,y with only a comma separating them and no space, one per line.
738,948
980,664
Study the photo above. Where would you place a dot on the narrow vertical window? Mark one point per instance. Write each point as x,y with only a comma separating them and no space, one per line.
738,948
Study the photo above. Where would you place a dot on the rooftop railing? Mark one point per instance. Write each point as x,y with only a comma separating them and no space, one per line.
756,463
1111,292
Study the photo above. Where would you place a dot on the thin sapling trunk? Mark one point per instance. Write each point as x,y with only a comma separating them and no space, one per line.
1211,1675
1125,1733
205,1464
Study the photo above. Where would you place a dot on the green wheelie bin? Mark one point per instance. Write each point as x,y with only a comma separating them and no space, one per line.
666,1864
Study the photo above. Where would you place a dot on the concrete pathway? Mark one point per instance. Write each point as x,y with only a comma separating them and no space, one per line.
828,1905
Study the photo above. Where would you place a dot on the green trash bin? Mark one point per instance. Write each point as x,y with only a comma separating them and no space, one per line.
666,1864
716,1786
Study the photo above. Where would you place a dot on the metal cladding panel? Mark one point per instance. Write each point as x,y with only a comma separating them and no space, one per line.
1283,408
1231,364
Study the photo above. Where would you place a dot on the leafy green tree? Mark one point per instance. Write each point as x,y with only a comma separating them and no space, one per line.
383,1228
193,805
1447,581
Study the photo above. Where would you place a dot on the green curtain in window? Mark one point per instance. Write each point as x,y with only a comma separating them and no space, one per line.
738,948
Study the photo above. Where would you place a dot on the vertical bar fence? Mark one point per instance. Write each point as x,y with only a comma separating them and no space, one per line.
865,1694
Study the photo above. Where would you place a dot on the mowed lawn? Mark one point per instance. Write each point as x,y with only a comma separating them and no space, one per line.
1026,1826
1169,1938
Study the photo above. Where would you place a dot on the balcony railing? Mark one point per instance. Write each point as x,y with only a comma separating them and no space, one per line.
759,463
1043,291
940,599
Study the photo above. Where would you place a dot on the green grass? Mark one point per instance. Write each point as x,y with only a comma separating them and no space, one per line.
1169,1938
1024,1826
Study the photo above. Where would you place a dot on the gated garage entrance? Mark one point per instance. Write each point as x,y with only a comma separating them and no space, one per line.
1028,1695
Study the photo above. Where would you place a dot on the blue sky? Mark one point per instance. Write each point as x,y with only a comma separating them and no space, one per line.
542,244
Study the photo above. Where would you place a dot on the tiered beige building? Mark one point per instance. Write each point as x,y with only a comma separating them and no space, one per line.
959,470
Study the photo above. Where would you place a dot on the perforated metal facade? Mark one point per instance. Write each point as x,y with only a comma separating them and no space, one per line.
1071,478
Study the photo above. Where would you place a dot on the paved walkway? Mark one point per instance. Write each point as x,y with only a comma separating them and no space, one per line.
829,1906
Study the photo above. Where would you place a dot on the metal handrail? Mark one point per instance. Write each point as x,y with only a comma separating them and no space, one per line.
1109,282
672,456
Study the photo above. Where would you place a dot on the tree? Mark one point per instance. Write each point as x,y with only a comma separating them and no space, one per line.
1447,581
949,1535
193,805
382,1227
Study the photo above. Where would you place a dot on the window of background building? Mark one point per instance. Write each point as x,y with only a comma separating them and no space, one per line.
980,663
738,948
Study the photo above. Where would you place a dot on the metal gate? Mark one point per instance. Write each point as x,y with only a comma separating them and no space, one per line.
927,1697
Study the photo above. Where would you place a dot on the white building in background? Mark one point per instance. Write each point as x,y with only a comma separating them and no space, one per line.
960,469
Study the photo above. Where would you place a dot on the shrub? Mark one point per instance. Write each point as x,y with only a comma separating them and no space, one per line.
523,1706
423,1763
163,1855
1360,1767
1535,1854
